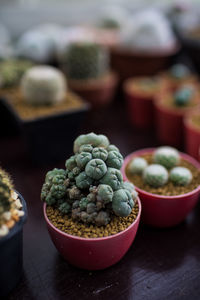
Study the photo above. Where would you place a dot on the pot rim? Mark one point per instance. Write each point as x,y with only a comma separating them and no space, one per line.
92,239
111,79
187,157
18,226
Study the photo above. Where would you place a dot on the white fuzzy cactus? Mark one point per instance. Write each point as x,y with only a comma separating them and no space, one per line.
166,156
137,165
180,176
155,175
43,85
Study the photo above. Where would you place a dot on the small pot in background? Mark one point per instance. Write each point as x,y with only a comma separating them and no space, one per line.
169,120
139,95
97,92
128,63
192,135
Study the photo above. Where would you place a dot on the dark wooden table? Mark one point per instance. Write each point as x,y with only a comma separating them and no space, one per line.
161,264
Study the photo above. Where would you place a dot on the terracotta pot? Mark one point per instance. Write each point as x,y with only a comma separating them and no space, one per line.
93,253
164,211
169,121
11,258
98,92
192,136
128,63
140,106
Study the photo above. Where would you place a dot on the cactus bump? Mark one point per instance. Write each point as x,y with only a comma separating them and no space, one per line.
43,85
155,175
166,156
180,176
137,165
91,188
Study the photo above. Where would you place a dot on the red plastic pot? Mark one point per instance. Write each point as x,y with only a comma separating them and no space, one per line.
129,63
98,92
93,253
164,211
169,123
140,107
192,137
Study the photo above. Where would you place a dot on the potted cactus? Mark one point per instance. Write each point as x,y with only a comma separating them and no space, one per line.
86,65
140,93
11,71
176,76
13,214
43,107
170,109
145,47
89,207
167,182
192,134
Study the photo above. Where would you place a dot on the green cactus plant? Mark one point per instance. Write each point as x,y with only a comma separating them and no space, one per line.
183,96
166,156
95,192
11,71
179,71
5,193
86,60
155,175
137,165
180,176
43,85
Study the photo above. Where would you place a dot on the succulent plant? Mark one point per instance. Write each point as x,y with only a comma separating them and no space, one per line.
155,175
12,70
86,60
91,189
5,193
180,176
183,96
137,165
179,71
166,156
43,85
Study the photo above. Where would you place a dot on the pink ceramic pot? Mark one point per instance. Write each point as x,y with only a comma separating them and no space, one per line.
164,211
192,137
140,107
93,253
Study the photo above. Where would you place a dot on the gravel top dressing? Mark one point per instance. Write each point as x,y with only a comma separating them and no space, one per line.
169,189
27,111
69,226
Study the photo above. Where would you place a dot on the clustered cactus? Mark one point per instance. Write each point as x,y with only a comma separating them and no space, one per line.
179,71
86,60
91,189
43,85
156,175
183,96
10,205
11,71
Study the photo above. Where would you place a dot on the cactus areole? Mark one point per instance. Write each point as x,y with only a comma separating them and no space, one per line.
91,189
